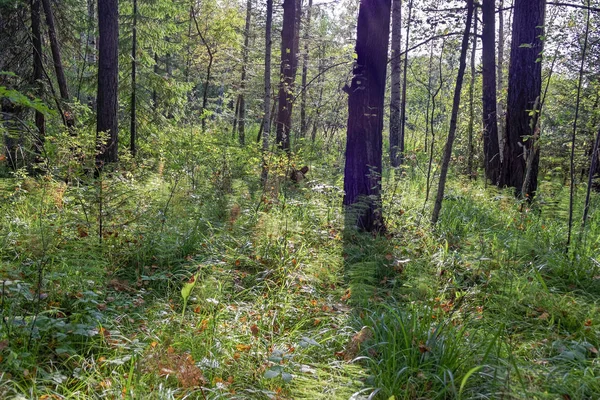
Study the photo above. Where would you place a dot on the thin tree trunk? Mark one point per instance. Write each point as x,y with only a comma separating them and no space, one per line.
404,80
289,64
575,121
154,93
133,128
236,114
108,76
395,71
491,144
500,83
266,130
362,172
38,75
453,120
470,128
54,46
211,57
592,172
242,104
303,122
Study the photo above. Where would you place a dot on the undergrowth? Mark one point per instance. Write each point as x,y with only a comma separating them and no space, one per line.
284,301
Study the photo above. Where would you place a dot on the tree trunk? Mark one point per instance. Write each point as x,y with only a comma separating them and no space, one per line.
108,76
38,75
404,79
592,173
396,70
289,64
500,90
54,46
471,126
491,146
524,89
266,130
362,173
242,104
211,58
453,119
575,121
133,129
303,122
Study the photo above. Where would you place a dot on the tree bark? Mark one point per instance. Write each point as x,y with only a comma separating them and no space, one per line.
454,117
471,126
108,76
289,65
362,172
38,75
303,122
395,71
133,126
404,80
491,146
524,89
500,89
55,48
242,99
266,130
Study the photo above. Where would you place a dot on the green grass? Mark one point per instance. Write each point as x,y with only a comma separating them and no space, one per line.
288,303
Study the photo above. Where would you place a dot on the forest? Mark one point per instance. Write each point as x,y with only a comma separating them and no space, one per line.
300,199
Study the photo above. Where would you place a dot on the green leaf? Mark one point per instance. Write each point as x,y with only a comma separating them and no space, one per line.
466,378
271,373
286,377
186,291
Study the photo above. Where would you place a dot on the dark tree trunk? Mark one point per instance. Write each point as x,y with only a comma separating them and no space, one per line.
266,128
362,173
54,46
38,75
500,90
524,89
404,80
593,172
396,71
108,76
491,146
289,65
242,103
454,117
211,57
303,122
470,129
133,128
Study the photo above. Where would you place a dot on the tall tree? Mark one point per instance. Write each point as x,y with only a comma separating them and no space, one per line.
303,122
55,48
454,116
362,173
289,65
133,116
404,80
38,74
266,128
108,76
500,83
395,71
524,90
471,126
491,145
242,99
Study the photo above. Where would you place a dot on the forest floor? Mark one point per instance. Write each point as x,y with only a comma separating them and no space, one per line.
282,303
